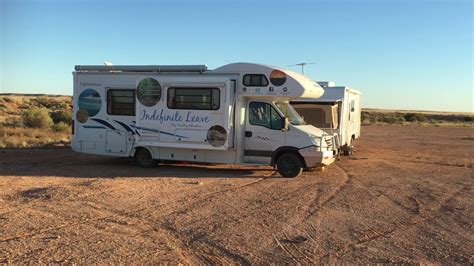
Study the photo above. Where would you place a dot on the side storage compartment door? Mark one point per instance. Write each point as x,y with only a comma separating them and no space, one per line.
116,141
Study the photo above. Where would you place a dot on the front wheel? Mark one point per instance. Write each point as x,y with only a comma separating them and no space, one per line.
144,158
289,165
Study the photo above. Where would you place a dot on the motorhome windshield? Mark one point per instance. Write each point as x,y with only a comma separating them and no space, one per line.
289,112
321,115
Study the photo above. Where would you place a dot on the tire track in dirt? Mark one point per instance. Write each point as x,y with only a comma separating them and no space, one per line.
128,214
401,225
290,254
196,199
294,250
429,163
131,215
196,244
92,222
315,206
199,197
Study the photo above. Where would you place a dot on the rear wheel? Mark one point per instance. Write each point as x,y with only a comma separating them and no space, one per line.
144,158
349,148
289,165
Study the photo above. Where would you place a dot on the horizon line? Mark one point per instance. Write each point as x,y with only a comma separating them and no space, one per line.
371,108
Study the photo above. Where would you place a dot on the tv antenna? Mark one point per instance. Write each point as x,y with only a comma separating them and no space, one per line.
302,66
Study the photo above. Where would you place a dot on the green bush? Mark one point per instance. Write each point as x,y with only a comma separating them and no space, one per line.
37,118
61,127
62,116
410,117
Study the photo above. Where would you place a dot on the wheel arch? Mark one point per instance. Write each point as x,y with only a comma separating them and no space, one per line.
135,149
286,149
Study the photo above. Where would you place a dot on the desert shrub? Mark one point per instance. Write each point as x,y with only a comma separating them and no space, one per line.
401,119
9,99
64,105
45,102
420,117
37,118
61,127
468,119
2,106
373,119
410,117
413,117
13,122
389,119
364,116
62,116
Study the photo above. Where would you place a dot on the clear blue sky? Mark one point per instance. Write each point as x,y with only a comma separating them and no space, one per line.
404,54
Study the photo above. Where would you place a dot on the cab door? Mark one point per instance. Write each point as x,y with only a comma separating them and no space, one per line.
263,133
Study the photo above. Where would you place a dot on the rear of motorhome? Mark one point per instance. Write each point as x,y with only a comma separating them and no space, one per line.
235,114
338,112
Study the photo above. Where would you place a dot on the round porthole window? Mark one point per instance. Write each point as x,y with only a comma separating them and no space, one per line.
277,77
149,92
89,104
216,136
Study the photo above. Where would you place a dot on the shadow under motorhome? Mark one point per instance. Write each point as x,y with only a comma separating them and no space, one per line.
238,114
337,112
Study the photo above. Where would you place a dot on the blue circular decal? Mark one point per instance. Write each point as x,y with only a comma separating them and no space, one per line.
89,101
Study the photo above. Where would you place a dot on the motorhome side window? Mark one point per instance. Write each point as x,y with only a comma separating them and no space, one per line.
194,98
263,114
255,80
121,102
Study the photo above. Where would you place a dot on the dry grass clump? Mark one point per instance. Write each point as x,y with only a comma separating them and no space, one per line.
32,137
61,127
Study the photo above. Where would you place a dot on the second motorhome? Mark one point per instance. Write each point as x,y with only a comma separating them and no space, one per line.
337,112
236,114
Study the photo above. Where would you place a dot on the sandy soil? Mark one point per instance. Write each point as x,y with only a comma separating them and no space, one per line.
405,196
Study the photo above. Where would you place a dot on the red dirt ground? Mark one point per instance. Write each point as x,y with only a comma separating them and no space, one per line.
405,196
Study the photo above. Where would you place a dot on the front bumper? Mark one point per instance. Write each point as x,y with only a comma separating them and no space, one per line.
315,158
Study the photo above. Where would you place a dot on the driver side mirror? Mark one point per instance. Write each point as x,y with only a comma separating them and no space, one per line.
284,123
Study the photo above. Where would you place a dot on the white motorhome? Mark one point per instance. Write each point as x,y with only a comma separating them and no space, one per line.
337,112
236,114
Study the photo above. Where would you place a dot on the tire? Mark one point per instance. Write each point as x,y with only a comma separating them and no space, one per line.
348,151
289,165
349,148
144,158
